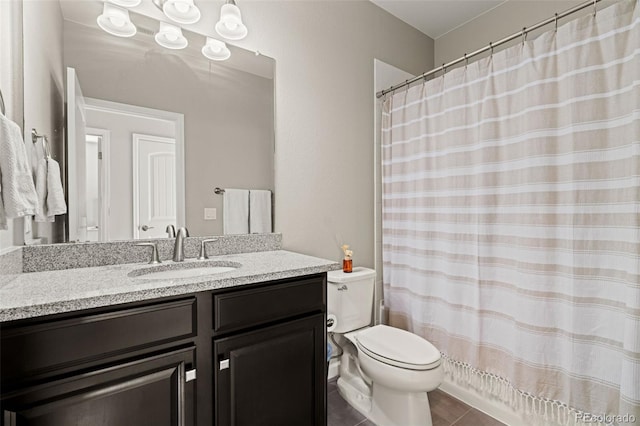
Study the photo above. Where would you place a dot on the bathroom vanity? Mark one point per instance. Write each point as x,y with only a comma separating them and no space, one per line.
233,349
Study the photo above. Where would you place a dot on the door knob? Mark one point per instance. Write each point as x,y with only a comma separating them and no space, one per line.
146,228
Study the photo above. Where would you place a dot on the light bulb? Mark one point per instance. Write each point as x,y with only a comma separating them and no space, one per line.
230,24
182,7
181,11
115,21
171,37
216,50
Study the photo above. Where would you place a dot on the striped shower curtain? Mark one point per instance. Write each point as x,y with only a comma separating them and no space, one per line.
511,220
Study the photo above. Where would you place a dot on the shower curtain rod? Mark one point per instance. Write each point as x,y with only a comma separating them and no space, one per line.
522,33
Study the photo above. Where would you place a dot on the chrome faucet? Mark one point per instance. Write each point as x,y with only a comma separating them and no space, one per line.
171,231
178,248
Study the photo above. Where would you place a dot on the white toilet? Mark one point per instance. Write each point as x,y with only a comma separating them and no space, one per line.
385,372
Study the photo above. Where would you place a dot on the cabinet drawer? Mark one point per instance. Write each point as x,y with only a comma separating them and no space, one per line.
247,308
29,350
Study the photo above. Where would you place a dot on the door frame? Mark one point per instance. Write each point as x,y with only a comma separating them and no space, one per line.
136,138
104,176
144,112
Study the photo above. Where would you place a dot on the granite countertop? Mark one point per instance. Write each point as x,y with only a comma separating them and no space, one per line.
35,294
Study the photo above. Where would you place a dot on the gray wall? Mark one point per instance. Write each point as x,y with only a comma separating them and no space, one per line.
228,115
44,91
324,52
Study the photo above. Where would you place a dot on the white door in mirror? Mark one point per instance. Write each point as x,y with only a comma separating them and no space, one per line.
154,185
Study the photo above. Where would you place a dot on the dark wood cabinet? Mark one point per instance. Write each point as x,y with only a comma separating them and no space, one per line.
150,391
135,364
272,376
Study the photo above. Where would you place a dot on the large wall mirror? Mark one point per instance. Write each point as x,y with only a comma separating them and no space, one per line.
152,131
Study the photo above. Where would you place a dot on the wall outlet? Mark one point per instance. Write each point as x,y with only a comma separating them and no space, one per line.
210,213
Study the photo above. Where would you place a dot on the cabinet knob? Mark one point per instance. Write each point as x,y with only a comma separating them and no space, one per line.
190,375
224,364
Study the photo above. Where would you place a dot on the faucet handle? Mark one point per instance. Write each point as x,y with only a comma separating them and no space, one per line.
203,248
154,254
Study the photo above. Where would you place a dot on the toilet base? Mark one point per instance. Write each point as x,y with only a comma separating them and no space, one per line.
384,406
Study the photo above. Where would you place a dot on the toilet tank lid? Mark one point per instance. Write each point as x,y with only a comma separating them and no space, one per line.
358,273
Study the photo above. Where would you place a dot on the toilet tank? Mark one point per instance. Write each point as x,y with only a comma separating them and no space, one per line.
350,298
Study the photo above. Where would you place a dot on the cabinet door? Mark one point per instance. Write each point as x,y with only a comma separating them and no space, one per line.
151,391
273,376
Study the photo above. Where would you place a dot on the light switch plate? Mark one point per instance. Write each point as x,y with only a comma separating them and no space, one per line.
210,213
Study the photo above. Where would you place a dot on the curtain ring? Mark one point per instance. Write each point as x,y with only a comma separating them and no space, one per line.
424,77
524,35
444,69
556,21
594,8
491,47
466,60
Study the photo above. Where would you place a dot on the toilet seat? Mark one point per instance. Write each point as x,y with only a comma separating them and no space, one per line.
398,348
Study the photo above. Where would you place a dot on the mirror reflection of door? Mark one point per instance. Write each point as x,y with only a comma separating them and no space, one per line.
97,186
76,123
154,185
141,170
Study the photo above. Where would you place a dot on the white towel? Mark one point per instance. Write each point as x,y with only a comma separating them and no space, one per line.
50,193
235,211
259,211
18,191
55,193
41,189
3,215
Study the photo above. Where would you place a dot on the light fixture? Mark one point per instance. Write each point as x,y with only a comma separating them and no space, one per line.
115,21
180,11
171,37
216,50
230,25
126,3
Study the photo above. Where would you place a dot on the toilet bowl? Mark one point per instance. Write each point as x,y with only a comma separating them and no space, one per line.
385,372
398,368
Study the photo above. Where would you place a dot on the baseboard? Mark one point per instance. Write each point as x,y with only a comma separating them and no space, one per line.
485,403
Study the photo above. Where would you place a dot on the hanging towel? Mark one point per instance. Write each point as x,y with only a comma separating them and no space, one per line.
236,211
41,189
259,211
3,215
55,193
18,191
49,189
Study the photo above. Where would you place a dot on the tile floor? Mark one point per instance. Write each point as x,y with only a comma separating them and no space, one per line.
445,411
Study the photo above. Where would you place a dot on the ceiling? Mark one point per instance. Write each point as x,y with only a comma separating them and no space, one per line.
437,17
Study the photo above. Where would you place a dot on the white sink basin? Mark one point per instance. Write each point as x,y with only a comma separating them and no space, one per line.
184,270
